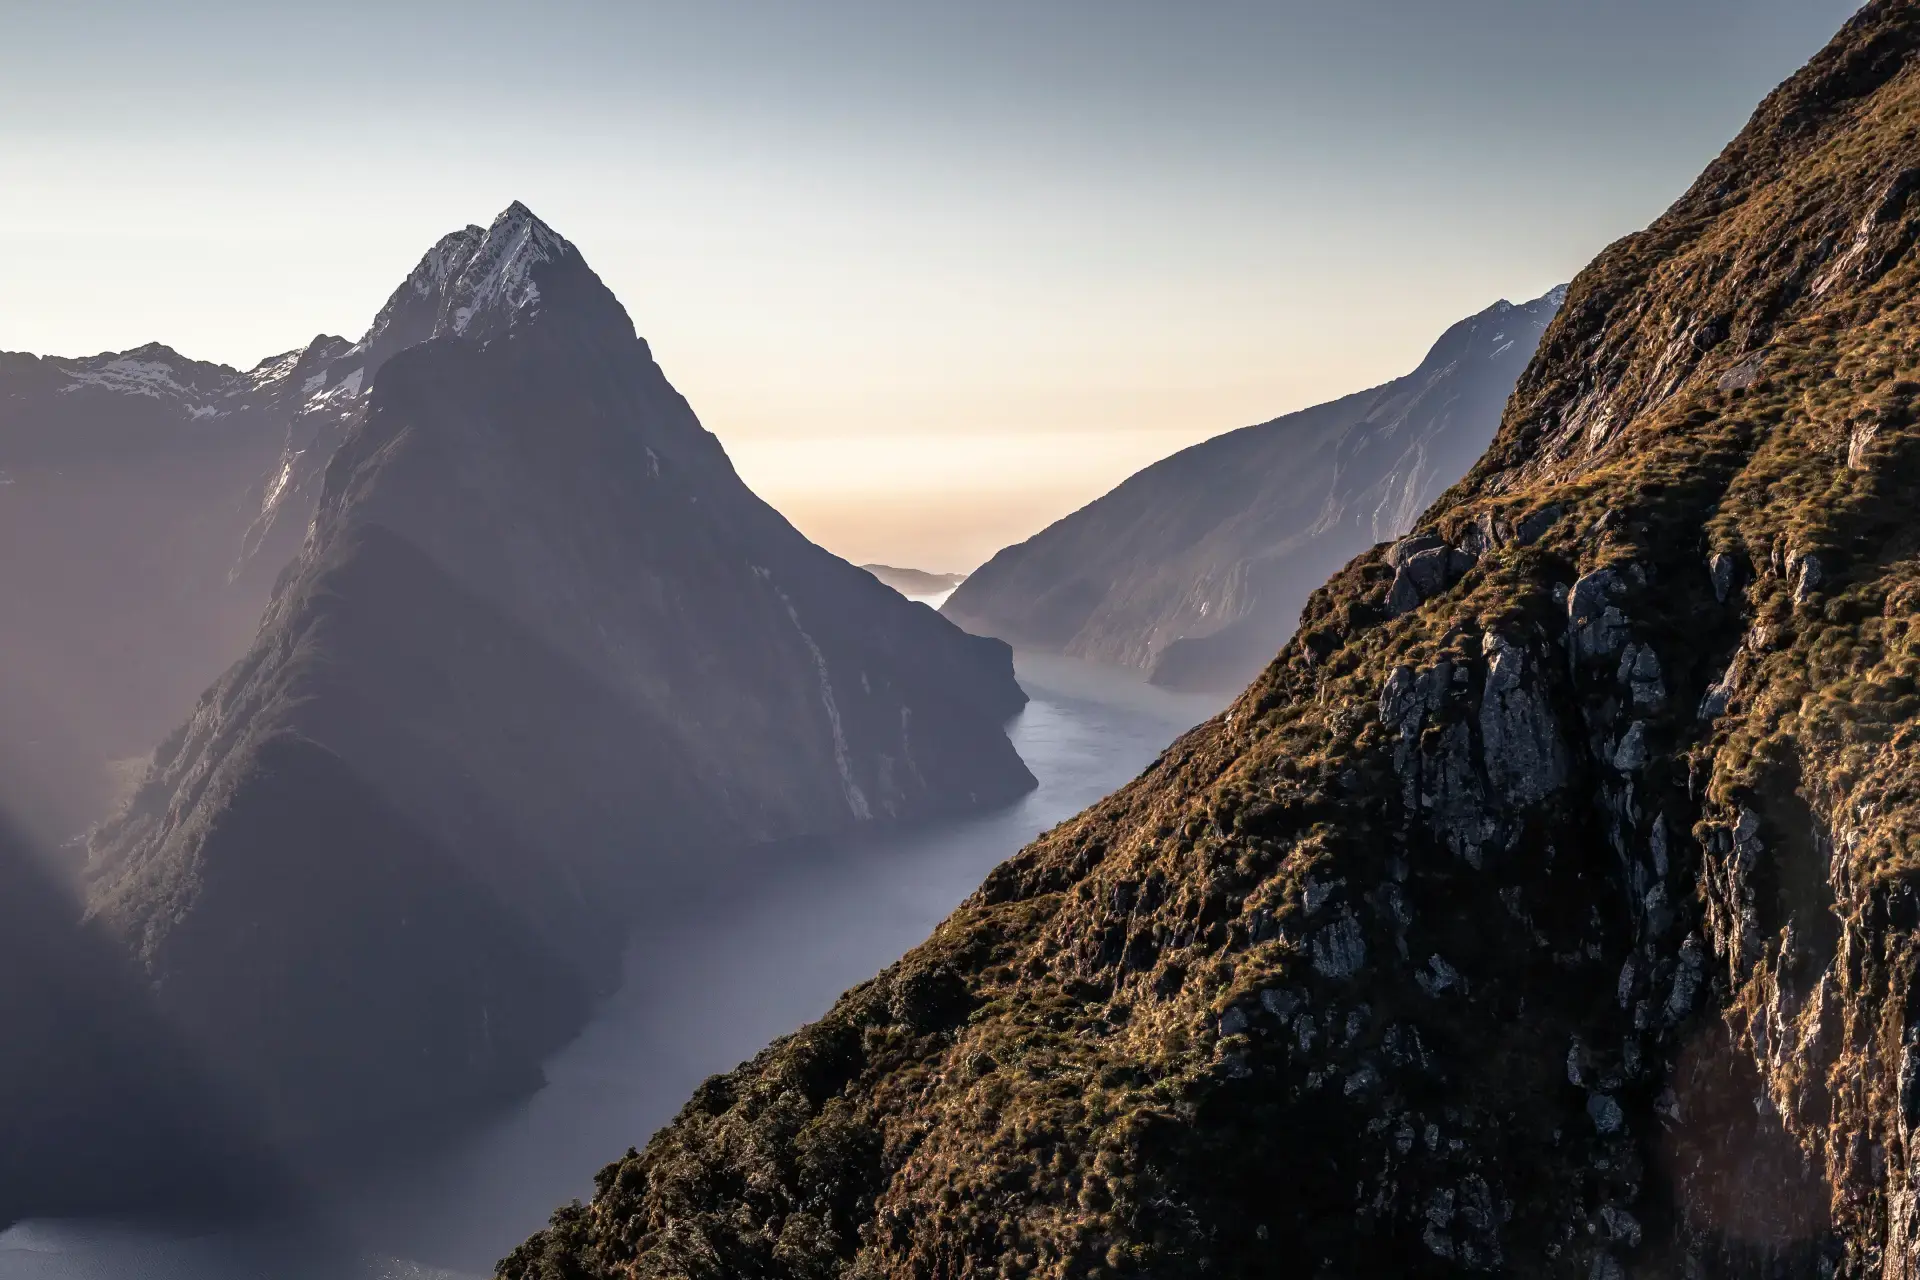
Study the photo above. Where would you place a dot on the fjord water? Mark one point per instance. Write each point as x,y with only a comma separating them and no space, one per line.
758,961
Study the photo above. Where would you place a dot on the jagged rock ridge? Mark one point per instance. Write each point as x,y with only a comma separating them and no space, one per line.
542,659
1195,569
1546,908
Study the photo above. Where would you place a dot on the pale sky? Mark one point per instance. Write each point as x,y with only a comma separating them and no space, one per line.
936,274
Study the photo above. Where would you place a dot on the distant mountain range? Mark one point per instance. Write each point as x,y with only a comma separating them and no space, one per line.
1195,569
148,502
915,582
519,658
136,548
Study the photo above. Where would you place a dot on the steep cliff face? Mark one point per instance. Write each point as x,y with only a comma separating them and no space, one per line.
1546,908
1195,569
542,658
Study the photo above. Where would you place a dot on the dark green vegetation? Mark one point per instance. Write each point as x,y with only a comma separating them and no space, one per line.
1549,905
1195,569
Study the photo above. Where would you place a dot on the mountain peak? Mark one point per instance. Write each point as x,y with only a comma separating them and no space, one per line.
497,279
517,212
475,282
1496,332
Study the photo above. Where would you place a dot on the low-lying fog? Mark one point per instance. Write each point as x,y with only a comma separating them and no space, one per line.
771,955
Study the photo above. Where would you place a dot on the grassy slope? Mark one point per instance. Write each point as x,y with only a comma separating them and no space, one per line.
1327,991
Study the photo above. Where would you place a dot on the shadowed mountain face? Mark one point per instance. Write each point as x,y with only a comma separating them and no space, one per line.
102,1110
1546,908
542,658
147,504
1195,569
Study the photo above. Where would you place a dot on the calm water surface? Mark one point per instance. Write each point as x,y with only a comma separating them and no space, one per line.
699,998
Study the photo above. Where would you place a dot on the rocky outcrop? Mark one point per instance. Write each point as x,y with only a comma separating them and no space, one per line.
1548,910
1195,569
542,661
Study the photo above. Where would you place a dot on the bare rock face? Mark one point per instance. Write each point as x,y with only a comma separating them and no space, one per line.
1525,757
542,662
1464,943
1423,567
1195,569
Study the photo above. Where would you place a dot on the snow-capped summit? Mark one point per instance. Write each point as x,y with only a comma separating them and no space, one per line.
154,371
475,283
497,282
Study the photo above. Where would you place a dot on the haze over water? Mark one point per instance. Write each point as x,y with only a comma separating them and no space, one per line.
768,956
